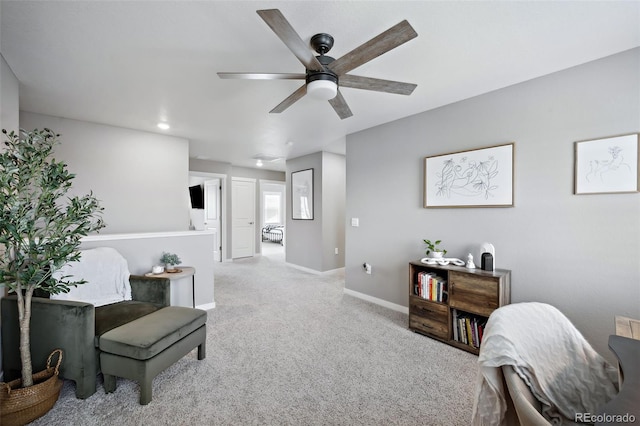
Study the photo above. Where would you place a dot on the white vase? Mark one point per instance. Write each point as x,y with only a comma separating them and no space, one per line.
437,254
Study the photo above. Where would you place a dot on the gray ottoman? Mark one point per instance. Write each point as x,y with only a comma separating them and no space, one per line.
141,349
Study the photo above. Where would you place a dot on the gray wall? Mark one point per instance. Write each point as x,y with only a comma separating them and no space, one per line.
141,178
333,210
311,244
9,87
578,252
9,120
303,245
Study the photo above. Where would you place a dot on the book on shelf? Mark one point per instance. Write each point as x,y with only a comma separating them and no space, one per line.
431,286
468,328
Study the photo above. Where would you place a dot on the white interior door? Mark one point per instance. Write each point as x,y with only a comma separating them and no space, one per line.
213,213
243,212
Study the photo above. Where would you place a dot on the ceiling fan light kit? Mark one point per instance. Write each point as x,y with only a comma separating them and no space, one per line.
323,73
322,89
322,84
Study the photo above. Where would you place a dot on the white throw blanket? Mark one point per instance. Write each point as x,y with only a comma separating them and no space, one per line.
560,367
106,273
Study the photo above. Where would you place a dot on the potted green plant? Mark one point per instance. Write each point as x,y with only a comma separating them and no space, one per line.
433,248
40,228
170,261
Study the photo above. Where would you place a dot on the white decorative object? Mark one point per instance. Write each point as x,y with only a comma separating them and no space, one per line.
488,248
442,262
470,264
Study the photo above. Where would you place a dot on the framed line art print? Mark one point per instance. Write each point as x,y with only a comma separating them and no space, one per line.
607,166
475,178
302,195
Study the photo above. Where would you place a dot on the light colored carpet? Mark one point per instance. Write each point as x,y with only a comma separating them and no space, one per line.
286,347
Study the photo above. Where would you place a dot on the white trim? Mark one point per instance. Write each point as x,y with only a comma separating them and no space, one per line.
107,237
313,271
207,306
302,268
384,303
272,182
333,271
243,179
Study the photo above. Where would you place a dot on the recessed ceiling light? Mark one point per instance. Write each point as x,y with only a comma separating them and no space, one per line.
163,126
259,163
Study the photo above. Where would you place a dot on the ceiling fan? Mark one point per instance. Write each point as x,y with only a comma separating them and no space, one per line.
323,73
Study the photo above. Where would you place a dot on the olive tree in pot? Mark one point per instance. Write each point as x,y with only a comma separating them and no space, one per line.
40,225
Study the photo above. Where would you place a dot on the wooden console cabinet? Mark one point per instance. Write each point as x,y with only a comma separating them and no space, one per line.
452,303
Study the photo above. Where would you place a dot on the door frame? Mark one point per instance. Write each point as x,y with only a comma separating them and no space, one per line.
223,210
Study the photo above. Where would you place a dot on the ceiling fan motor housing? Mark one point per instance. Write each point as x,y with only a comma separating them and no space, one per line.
325,73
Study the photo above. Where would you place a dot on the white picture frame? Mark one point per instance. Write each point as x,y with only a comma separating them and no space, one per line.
607,166
480,177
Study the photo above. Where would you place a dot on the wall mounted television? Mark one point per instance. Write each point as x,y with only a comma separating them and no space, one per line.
196,193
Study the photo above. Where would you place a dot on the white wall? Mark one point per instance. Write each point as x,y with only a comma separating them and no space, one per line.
140,178
578,252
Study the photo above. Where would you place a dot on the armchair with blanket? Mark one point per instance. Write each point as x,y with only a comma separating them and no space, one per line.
551,372
110,298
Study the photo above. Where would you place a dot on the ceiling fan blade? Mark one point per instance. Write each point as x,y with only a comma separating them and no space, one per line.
261,76
283,29
367,83
340,106
291,99
390,39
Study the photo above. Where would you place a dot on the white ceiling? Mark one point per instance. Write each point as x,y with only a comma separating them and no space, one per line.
134,63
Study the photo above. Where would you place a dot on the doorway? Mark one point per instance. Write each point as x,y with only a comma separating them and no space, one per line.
212,216
272,218
213,213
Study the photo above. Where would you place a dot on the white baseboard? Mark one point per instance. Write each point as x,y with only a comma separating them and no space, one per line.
333,271
207,306
313,271
384,303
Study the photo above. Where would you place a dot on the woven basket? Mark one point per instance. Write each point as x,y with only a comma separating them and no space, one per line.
19,406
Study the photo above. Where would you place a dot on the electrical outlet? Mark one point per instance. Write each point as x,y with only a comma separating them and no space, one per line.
337,251
367,268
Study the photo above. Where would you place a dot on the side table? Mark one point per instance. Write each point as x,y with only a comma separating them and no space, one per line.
184,272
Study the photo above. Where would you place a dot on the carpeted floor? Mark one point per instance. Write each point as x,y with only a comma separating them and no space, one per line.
286,347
